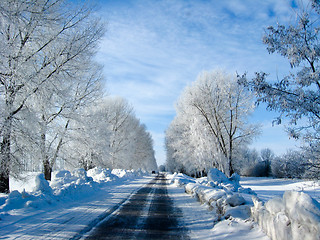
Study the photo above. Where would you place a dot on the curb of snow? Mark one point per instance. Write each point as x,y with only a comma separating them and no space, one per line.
295,216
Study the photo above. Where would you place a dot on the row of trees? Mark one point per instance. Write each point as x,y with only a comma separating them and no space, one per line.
292,164
48,84
109,135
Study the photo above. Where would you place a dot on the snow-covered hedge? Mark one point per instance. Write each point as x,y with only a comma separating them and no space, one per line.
296,216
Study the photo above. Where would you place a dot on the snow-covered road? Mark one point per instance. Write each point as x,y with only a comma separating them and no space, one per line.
148,214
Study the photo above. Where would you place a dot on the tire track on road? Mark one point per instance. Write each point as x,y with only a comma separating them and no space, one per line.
123,224
148,214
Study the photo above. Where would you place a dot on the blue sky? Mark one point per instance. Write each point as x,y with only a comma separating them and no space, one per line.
154,48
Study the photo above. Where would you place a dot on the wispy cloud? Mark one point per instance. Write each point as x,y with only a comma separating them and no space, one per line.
153,49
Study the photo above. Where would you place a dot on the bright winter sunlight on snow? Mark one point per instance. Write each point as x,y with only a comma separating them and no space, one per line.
167,119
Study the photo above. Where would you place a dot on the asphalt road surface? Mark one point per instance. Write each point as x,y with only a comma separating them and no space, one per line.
148,214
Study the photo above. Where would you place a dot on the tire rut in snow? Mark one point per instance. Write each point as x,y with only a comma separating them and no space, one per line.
163,217
123,225
130,222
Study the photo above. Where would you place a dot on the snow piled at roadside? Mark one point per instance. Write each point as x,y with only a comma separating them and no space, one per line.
64,186
295,216
223,195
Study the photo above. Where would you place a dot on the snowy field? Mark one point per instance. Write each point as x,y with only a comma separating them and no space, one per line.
267,188
216,207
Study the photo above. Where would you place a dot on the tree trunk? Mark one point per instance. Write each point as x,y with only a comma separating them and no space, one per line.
47,170
4,164
5,158
55,156
4,182
231,170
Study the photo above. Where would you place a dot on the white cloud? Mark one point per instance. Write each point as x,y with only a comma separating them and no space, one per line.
153,49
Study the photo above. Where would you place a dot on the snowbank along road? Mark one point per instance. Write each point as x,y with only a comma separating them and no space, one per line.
147,214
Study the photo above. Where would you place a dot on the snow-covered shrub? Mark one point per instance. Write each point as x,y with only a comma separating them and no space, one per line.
101,174
217,176
14,200
260,169
290,165
42,184
127,174
235,200
296,216
121,173
81,174
223,202
42,195
60,178
222,195
180,179
218,179
72,185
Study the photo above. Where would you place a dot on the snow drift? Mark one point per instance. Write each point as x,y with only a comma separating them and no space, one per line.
65,185
223,195
295,216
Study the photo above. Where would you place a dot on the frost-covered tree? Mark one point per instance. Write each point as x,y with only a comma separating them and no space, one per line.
295,96
246,160
311,162
290,165
267,157
112,137
40,42
143,152
56,106
180,151
213,112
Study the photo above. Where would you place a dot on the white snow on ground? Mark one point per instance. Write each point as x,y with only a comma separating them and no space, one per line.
70,206
267,188
295,215
199,219
223,213
286,209
217,207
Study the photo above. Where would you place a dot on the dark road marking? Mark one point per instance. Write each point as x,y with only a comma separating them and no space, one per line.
161,222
